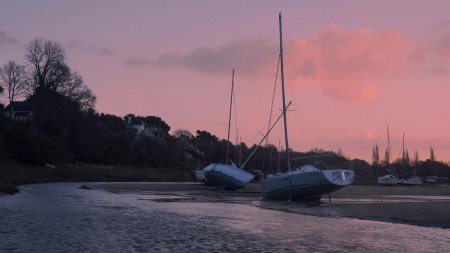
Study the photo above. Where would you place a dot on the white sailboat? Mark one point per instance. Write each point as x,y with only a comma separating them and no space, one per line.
306,182
389,179
414,180
226,176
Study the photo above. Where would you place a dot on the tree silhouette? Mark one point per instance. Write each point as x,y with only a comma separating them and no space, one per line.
432,156
375,155
50,71
13,77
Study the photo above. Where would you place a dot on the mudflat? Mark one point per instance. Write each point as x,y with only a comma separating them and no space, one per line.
418,205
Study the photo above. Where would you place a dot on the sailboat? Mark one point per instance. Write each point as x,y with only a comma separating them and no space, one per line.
305,182
414,180
223,175
389,179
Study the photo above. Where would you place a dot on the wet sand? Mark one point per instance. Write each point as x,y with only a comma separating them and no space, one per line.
418,205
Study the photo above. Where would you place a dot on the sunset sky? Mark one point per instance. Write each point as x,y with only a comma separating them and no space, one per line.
352,67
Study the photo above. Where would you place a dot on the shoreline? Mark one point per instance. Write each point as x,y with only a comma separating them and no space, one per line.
13,175
422,205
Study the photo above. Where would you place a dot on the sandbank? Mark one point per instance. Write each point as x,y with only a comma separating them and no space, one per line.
418,205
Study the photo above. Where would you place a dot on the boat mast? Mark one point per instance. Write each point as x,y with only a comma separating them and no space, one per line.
389,151
284,99
229,116
403,154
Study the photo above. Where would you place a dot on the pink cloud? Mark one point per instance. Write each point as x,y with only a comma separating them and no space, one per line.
345,64
349,64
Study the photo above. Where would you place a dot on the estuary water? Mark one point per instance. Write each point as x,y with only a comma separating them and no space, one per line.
60,217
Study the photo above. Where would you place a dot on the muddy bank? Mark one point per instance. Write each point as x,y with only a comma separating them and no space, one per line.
12,175
422,205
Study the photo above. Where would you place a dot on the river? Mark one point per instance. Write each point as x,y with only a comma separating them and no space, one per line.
60,217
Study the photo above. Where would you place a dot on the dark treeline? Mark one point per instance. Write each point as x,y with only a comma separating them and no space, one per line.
66,129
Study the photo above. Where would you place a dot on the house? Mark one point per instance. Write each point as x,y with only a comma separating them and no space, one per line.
19,111
136,124
154,133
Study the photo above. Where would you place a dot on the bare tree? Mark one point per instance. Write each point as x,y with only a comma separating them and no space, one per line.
51,72
407,159
75,89
13,77
47,58
432,156
375,155
387,158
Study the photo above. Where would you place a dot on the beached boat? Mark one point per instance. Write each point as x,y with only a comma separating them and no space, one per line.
200,175
414,180
306,182
411,181
223,175
431,180
226,176
389,179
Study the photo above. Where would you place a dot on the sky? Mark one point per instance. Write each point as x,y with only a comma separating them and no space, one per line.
352,68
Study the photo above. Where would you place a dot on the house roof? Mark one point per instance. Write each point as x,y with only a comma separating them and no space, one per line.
20,106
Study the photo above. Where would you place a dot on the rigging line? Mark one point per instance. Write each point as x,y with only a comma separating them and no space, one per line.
236,123
271,111
273,94
308,91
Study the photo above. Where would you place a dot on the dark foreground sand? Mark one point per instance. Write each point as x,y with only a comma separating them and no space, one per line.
419,205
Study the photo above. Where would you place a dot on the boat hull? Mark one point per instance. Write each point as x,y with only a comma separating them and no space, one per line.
303,186
226,177
388,180
200,175
411,181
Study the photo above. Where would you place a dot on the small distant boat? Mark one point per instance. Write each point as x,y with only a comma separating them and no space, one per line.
431,180
306,182
414,180
389,179
411,181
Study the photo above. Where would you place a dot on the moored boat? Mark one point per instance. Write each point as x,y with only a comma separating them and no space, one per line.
200,175
411,181
226,176
388,180
306,182
431,180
